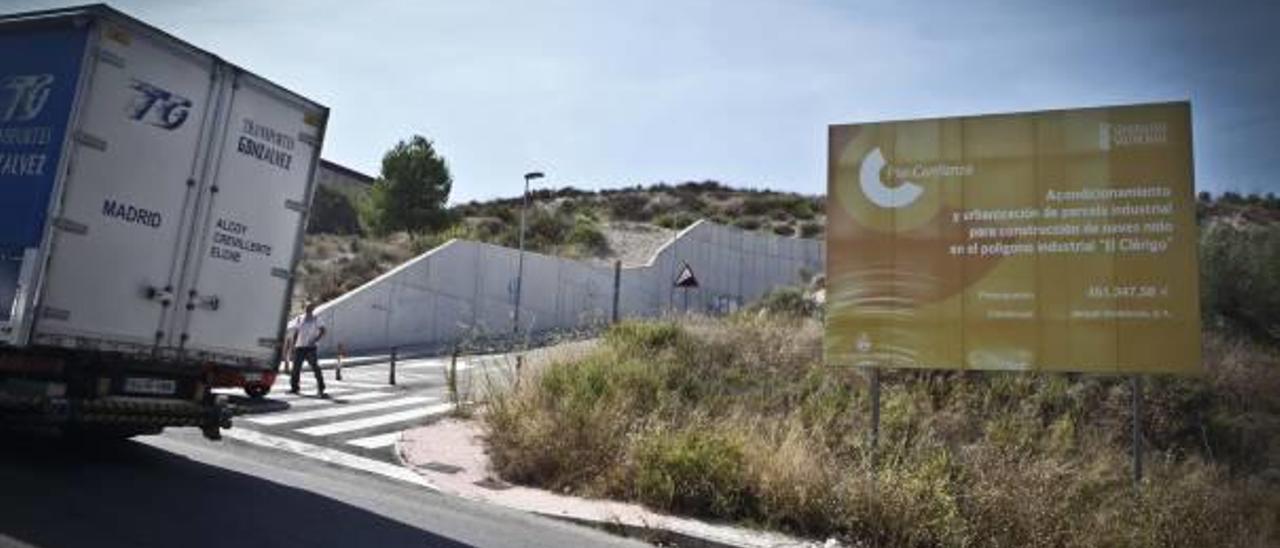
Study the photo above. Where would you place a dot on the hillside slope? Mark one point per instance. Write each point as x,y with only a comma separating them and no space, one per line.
627,225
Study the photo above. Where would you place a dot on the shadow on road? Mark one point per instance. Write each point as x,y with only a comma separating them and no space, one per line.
241,405
130,494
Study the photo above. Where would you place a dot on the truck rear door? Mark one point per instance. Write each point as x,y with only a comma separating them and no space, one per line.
236,290
122,223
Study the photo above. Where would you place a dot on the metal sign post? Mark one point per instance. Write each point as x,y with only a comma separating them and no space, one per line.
617,289
875,415
1136,385
685,281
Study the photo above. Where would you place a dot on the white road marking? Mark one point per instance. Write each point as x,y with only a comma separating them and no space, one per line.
408,378
314,401
285,395
403,378
337,411
377,420
367,396
378,441
282,393
335,384
360,384
331,456
308,402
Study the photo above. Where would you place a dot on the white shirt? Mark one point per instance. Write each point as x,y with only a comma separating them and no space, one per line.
309,331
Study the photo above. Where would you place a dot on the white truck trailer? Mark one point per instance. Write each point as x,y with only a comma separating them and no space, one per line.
152,204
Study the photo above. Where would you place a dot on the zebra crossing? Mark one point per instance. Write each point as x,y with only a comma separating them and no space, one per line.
363,416
358,424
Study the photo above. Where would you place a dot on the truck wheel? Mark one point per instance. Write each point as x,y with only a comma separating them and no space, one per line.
257,391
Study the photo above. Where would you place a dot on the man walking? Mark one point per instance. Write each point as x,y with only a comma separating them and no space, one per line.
309,332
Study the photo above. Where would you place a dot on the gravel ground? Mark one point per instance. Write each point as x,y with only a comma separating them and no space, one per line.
634,243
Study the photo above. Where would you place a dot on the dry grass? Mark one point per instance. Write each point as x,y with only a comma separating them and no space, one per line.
332,265
738,420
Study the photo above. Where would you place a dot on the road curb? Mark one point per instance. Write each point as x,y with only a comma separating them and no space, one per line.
654,535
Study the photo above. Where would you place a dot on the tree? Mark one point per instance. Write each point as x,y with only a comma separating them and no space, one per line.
333,213
414,187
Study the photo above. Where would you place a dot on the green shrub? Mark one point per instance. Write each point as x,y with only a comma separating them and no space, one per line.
422,243
747,223
643,337
732,208
629,206
586,235
332,212
802,210
784,230
779,206
490,230
695,472
571,207
675,221
507,214
1239,280
690,202
811,229
545,229
759,205
787,302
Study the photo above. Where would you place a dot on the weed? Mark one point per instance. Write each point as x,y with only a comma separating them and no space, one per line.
738,419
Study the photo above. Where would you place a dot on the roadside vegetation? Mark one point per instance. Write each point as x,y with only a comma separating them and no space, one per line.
738,419
1240,266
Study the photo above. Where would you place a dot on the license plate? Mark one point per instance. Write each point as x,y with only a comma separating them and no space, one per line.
155,387
252,377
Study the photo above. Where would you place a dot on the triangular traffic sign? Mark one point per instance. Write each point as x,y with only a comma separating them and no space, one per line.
686,279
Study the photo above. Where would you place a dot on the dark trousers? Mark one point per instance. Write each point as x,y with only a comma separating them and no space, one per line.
307,353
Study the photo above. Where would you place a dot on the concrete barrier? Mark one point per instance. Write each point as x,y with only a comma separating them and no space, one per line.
464,289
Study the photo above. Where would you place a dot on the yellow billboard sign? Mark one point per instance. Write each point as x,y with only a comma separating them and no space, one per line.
1052,241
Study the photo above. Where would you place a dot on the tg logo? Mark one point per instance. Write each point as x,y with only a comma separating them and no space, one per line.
157,106
24,96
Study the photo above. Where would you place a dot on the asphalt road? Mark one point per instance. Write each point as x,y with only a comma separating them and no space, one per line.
178,489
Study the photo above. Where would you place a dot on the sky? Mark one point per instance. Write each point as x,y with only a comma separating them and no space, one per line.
610,94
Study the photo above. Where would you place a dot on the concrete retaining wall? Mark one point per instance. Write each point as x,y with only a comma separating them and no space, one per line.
467,289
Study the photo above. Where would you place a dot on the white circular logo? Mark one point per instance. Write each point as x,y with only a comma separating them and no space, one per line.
876,191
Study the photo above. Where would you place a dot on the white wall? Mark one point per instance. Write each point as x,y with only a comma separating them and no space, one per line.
465,288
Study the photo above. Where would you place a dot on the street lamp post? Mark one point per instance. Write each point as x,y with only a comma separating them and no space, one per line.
515,324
